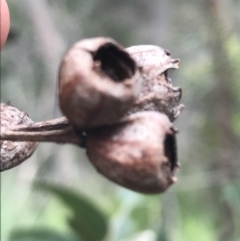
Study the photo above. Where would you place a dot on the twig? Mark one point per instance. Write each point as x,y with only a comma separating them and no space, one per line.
56,130
19,135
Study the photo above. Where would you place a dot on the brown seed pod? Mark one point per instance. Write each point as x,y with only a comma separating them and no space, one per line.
158,93
154,60
14,153
98,83
139,153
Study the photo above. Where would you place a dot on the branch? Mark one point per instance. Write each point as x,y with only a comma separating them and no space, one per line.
56,130
20,135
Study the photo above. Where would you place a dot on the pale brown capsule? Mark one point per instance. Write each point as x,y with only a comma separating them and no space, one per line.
158,93
98,83
153,59
139,153
14,153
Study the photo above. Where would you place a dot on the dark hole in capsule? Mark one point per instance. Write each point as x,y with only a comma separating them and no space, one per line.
168,53
170,148
166,73
115,63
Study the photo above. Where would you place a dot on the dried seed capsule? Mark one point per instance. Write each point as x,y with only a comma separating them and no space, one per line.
98,83
13,153
158,93
153,59
139,153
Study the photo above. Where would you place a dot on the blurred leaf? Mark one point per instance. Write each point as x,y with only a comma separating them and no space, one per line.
194,226
161,234
38,235
140,217
87,222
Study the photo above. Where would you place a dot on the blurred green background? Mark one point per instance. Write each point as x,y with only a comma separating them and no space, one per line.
78,204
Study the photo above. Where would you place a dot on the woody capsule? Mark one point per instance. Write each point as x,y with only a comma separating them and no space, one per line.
125,103
138,153
98,83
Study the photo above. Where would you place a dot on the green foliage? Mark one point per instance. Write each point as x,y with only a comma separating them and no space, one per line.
86,221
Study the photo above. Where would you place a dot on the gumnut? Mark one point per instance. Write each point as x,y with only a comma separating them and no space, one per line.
158,93
14,153
98,83
153,59
138,153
